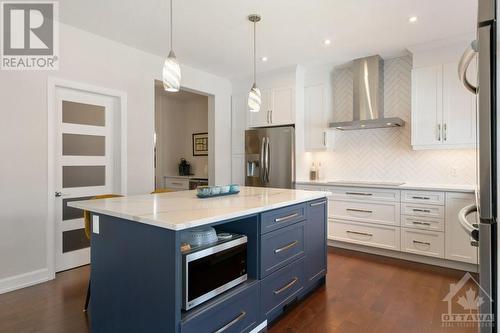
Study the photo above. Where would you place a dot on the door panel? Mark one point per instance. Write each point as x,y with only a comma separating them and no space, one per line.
283,106
84,167
261,118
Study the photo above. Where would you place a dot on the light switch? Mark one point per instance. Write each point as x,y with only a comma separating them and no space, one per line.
95,224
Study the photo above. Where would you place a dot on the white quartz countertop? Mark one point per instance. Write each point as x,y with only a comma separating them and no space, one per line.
393,185
182,210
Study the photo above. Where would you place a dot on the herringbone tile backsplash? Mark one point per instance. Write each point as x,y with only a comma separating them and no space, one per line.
386,154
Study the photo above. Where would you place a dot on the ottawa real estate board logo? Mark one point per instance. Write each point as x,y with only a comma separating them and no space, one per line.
30,35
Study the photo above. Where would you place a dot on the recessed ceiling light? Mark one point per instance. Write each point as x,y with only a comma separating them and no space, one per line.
327,42
263,59
413,19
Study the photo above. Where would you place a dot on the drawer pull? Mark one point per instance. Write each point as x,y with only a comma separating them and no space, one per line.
359,193
286,247
359,233
174,183
286,286
421,223
317,203
421,243
284,218
232,322
358,210
421,210
421,198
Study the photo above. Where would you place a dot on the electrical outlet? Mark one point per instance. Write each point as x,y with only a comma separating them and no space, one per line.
95,224
454,172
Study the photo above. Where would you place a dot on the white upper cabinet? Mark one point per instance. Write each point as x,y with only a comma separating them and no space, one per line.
443,111
277,108
459,107
316,118
426,115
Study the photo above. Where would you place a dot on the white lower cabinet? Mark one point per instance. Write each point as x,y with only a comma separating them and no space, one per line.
458,242
423,242
418,222
380,236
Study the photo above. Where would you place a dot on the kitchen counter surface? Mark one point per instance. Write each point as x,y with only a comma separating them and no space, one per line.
392,185
182,210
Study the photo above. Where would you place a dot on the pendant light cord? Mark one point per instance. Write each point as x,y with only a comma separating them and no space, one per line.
171,28
254,52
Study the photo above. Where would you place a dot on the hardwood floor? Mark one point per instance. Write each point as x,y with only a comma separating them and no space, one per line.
363,293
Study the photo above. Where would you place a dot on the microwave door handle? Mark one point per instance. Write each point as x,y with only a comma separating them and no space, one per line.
462,217
463,65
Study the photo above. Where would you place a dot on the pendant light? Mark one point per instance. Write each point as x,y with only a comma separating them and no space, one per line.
171,70
254,99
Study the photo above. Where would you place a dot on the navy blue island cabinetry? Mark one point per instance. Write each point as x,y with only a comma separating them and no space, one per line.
136,265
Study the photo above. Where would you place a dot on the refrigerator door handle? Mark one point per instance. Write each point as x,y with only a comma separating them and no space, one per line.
268,166
462,217
463,65
262,163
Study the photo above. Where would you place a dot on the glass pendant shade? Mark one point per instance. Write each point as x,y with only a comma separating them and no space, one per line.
254,99
171,73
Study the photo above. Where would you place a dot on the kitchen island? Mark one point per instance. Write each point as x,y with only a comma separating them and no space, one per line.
137,264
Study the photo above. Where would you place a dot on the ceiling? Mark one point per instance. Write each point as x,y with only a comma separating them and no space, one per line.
215,36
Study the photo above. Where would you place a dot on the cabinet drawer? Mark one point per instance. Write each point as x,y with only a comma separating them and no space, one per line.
178,184
422,210
280,247
385,237
282,217
240,313
365,194
427,243
281,288
423,197
370,212
421,222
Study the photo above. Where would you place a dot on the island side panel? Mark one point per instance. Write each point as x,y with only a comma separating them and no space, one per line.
136,277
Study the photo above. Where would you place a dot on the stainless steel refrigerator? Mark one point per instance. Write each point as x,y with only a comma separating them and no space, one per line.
270,157
484,231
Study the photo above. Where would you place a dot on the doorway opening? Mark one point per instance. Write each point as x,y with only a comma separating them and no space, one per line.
182,139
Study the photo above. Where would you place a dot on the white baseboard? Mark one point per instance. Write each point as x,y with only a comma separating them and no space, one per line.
24,280
405,256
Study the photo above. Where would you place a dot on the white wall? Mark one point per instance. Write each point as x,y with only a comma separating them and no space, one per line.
91,59
177,120
386,154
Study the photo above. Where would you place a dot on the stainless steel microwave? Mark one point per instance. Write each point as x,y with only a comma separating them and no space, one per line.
211,270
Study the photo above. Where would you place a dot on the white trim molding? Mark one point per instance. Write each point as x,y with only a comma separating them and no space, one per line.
52,84
24,280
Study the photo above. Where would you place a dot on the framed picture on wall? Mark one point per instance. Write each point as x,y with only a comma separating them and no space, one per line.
200,144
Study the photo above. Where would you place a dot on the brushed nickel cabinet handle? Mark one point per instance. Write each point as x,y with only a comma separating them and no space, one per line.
421,223
421,243
271,116
421,210
232,322
286,286
317,203
324,139
286,247
445,134
358,210
359,193
284,218
359,233
438,134
421,198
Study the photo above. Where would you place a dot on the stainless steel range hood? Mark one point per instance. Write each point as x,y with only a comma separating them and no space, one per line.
368,93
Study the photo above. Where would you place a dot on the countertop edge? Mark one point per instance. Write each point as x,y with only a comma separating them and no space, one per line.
197,222
409,186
